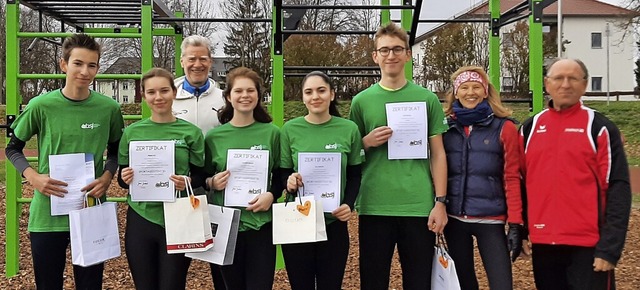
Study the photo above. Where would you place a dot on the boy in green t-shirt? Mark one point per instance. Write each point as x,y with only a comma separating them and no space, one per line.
73,119
401,202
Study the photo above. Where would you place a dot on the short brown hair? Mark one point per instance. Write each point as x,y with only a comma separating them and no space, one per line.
79,40
391,29
158,72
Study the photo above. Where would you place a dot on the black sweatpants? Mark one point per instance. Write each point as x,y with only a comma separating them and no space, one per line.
492,244
254,261
379,236
564,267
49,253
318,265
152,268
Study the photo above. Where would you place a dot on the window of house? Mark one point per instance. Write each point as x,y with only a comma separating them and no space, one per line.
507,40
596,39
596,84
125,85
507,84
125,99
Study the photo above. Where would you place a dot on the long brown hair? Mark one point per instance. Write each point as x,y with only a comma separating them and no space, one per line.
259,113
493,96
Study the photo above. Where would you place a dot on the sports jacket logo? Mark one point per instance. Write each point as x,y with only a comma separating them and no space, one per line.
181,112
89,125
542,129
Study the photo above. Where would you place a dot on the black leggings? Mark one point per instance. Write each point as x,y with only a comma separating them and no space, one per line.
379,236
151,266
492,245
322,262
49,253
254,261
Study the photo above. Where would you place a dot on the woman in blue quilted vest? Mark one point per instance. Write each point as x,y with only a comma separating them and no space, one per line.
483,188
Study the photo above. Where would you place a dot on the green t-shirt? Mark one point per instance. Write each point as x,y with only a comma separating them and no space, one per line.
395,187
336,135
257,136
189,149
64,126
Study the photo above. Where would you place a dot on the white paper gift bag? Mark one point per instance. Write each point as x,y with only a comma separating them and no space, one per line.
224,227
443,273
300,221
186,224
94,234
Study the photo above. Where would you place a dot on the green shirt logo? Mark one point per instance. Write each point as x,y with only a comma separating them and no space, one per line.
90,126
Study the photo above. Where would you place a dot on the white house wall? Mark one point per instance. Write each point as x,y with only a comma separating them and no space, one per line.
621,52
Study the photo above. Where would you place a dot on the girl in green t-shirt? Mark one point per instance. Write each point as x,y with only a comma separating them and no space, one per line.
246,125
145,239
321,265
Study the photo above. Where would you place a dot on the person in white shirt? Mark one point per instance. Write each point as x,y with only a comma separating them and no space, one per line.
198,99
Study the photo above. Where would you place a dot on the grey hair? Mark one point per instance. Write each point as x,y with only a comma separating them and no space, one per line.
195,40
579,62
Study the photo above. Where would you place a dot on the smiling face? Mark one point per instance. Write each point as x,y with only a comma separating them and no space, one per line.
243,95
317,95
159,95
566,83
81,67
470,94
391,65
196,62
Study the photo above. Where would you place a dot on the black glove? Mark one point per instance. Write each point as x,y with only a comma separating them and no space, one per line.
515,236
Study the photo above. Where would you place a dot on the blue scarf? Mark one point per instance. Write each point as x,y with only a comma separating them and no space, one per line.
466,117
196,91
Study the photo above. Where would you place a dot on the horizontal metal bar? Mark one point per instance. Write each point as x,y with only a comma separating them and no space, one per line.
32,159
326,32
454,20
337,7
66,34
112,199
299,75
132,117
323,68
173,19
98,76
24,199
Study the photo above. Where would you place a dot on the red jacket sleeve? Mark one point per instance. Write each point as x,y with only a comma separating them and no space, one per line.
510,142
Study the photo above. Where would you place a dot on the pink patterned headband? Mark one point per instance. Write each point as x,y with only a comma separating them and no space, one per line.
469,76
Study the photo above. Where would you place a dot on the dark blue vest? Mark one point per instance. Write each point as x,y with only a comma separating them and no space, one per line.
475,165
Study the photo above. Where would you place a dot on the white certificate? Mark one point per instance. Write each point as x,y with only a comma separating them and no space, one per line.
153,163
409,124
248,172
77,170
321,177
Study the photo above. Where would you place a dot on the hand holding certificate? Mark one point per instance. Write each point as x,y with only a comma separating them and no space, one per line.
248,172
321,176
77,170
409,123
153,163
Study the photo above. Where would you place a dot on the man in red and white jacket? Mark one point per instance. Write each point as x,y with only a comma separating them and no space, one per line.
577,186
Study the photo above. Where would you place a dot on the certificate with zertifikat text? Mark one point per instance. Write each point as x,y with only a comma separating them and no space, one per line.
408,121
153,163
248,173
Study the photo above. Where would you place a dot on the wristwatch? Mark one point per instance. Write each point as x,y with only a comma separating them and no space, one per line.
442,199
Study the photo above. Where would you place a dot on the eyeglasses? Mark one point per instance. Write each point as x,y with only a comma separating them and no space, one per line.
193,59
397,50
560,79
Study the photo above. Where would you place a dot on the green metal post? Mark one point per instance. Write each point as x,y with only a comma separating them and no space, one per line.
494,44
405,20
147,45
277,72
177,40
13,99
385,14
536,60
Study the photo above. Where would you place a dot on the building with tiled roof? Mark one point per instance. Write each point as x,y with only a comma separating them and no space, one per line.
585,37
